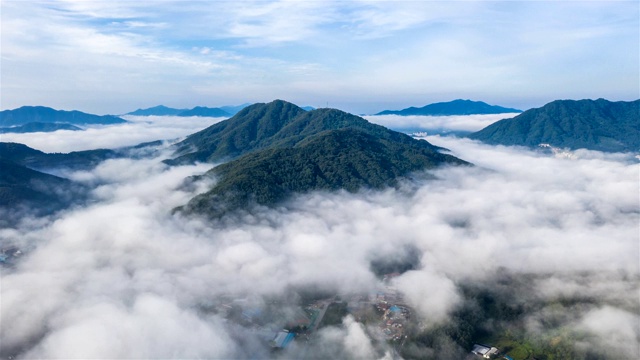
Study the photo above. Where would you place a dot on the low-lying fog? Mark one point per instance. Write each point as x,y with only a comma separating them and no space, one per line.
138,130
123,278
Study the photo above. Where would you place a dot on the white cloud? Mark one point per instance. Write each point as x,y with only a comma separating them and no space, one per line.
452,123
140,129
123,277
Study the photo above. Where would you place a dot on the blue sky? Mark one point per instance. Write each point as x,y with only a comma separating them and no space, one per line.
359,56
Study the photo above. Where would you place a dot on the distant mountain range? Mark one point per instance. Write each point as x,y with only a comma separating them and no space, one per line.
26,187
38,127
279,149
161,110
590,124
42,114
28,183
455,107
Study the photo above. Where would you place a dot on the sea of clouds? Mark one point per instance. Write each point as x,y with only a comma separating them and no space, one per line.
123,277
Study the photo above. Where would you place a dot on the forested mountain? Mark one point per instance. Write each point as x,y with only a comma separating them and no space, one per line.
26,191
28,187
38,160
347,158
280,149
591,124
455,107
41,114
38,127
276,124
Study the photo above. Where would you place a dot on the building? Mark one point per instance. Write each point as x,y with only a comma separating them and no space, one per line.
282,339
484,351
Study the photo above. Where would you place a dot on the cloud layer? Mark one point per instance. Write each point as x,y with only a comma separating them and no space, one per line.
450,123
123,278
139,129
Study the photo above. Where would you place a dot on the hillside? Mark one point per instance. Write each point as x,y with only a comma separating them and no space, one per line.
276,124
591,124
27,191
455,107
35,159
38,127
41,114
348,159
280,149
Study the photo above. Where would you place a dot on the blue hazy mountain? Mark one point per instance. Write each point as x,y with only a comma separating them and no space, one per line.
205,111
38,127
159,110
591,124
308,108
455,107
38,160
27,187
42,114
234,109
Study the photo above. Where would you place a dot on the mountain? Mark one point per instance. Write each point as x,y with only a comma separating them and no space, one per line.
280,149
159,110
455,107
28,114
232,110
308,108
205,111
249,129
37,160
24,190
259,126
38,127
348,159
591,124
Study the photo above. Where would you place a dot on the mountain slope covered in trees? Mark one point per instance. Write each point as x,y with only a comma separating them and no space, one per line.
279,149
591,124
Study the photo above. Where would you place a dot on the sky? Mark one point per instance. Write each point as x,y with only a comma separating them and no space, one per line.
112,57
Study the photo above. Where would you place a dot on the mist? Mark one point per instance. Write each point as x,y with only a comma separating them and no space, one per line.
464,123
138,130
125,278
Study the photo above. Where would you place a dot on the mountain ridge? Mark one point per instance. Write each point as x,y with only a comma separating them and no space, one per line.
278,149
161,110
591,124
43,114
261,125
454,107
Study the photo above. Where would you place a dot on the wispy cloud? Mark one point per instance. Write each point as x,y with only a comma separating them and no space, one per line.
517,54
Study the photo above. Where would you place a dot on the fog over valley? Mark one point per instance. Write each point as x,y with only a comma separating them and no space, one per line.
540,245
286,179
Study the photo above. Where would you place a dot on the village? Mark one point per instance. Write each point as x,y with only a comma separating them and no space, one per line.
280,325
